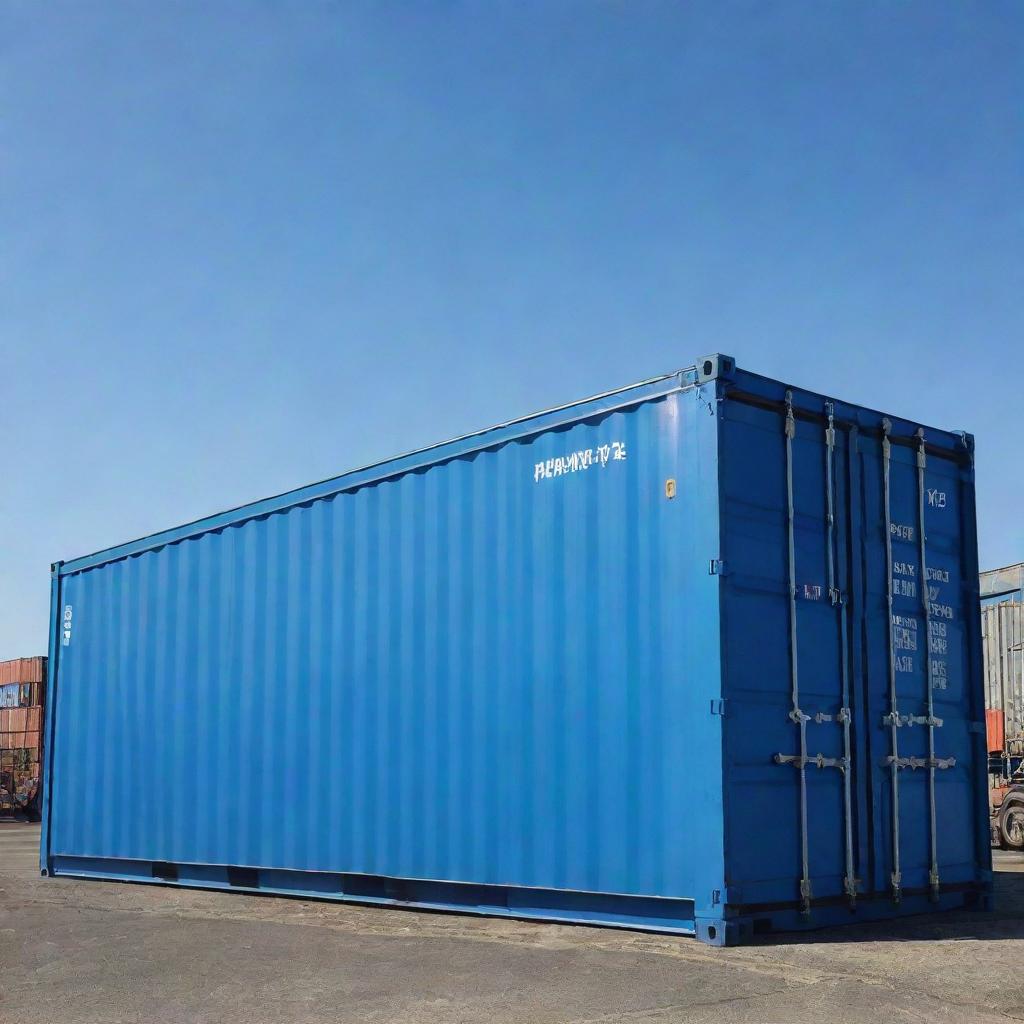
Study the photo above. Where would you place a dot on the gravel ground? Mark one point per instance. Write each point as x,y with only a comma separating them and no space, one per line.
75,951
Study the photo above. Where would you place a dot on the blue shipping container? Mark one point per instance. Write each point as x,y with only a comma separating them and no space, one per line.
698,655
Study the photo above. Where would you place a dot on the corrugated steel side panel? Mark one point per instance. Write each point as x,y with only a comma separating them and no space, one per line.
471,672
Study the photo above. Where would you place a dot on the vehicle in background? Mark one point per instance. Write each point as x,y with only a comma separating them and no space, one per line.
1002,629
22,698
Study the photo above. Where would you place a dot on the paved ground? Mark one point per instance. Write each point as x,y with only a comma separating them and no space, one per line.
75,951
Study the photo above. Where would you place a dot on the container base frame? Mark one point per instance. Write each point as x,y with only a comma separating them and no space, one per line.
735,926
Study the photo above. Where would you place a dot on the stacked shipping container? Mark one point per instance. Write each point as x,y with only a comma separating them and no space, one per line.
22,696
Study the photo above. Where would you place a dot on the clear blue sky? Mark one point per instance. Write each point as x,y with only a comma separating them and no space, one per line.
244,246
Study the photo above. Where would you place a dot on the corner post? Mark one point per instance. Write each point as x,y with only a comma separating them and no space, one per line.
53,654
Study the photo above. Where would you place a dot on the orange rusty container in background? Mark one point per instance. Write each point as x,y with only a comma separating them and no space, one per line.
22,728
995,729
22,698
23,670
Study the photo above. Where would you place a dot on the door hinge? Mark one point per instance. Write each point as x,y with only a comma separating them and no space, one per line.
717,567
718,706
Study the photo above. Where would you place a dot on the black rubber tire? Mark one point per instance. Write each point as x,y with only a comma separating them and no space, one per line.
1011,825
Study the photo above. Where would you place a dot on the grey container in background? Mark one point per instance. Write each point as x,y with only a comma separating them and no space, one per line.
1002,629
1007,583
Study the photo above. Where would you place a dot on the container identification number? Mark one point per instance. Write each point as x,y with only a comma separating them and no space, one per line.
578,461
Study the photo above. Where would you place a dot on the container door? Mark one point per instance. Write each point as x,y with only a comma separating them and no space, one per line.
797,790
919,629
853,721
823,702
